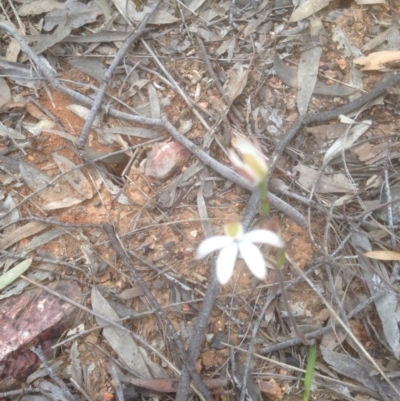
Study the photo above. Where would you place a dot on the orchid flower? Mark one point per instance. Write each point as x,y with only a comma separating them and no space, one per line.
253,164
235,242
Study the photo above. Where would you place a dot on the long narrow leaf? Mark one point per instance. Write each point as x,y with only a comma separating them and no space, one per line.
312,356
10,276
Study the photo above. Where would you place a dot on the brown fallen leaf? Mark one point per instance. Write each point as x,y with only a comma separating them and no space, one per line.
383,255
382,61
271,389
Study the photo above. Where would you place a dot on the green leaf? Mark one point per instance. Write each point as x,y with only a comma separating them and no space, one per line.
312,356
14,273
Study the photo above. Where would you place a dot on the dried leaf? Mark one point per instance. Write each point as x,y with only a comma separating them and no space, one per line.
73,14
289,77
154,103
254,24
383,255
38,7
95,68
357,370
237,80
83,113
121,342
25,231
387,304
307,77
307,9
335,183
49,40
349,50
37,128
384,36
160,17
5,93
195,4
380,61
346,141
75,178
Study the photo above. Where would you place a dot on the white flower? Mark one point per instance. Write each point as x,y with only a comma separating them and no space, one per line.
253,166
235,241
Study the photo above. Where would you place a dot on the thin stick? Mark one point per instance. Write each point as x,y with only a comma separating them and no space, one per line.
132,38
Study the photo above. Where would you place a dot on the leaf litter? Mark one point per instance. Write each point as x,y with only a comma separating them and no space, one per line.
262,65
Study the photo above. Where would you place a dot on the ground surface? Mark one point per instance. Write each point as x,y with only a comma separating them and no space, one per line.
160,221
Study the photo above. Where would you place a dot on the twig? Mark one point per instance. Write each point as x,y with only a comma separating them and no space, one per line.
50,371
117,383
133,37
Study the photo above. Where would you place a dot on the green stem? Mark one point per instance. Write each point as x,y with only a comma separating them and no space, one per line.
264,198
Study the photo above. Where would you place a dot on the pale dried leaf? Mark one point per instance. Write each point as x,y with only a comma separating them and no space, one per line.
237,80
254,24
38,7
370,2
380,61
8,132
307,9
195,4
289,77
349,50
160,17
346,141
105,8
62,203
358,370
50,40
25,231
206,35
76,368
5,93
73,14
13,50
20,73
384,36
37,128
75,178
154,103
41,240
307,77
334,183
370,154
83,113
95,68
121,342
387,304
383,255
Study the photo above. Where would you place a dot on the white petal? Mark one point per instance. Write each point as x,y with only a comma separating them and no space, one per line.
212,244
244,145
234,158
254,259
264,237
226,262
